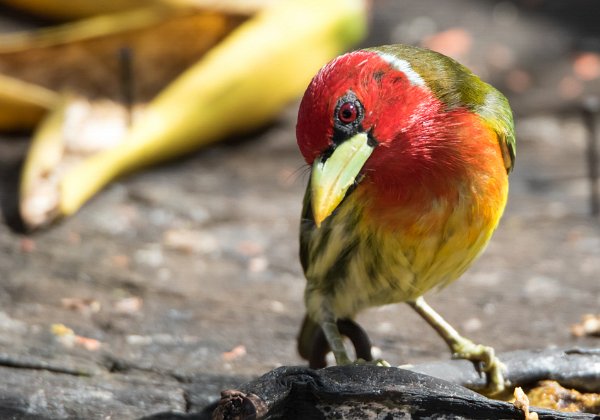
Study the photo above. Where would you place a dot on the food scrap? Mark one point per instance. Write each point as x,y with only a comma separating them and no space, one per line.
128,305
589,326
550,394
521,402
235,353
67,337
83,305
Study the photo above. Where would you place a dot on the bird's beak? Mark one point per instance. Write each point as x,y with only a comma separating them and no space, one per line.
330,179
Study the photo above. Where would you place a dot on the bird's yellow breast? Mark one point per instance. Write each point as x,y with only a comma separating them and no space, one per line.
364,256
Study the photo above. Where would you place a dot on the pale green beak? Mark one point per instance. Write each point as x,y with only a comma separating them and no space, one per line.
331,179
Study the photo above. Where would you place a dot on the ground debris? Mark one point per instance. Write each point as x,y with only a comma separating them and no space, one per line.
128,306
85,306
589,325
522,403
236,353
550,394
67,337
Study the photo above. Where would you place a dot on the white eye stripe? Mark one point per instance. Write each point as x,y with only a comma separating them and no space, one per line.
403,66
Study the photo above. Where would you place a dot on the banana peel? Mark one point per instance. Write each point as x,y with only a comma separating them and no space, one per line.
33,64
237,86
85,57
66,10
75,9
22,104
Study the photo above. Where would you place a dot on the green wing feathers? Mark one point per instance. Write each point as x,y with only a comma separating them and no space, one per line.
497,113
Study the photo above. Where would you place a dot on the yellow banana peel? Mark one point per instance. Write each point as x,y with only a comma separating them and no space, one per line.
84,56
75,9
238,86
94,27
81,9
32,64
75,129
22,104
244,7
39,169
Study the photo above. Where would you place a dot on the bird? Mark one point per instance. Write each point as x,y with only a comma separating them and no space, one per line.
409,155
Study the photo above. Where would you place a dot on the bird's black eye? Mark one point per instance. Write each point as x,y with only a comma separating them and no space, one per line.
348,112
347,117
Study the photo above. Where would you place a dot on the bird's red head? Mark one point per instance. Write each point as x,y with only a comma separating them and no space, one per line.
362,91
376,115
415,139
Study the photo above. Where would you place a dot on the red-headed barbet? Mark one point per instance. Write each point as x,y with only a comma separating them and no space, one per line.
410,155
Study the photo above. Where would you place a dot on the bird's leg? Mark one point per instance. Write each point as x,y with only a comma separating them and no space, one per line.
463,348
334,338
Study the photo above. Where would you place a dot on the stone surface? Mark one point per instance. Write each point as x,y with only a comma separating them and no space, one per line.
195,258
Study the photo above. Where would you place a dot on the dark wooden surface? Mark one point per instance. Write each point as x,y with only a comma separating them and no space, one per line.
358,392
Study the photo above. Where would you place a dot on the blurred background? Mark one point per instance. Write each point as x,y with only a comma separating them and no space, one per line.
185,276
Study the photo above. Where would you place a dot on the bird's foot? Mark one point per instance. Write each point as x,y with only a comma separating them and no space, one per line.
342,359
488,363
376,362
